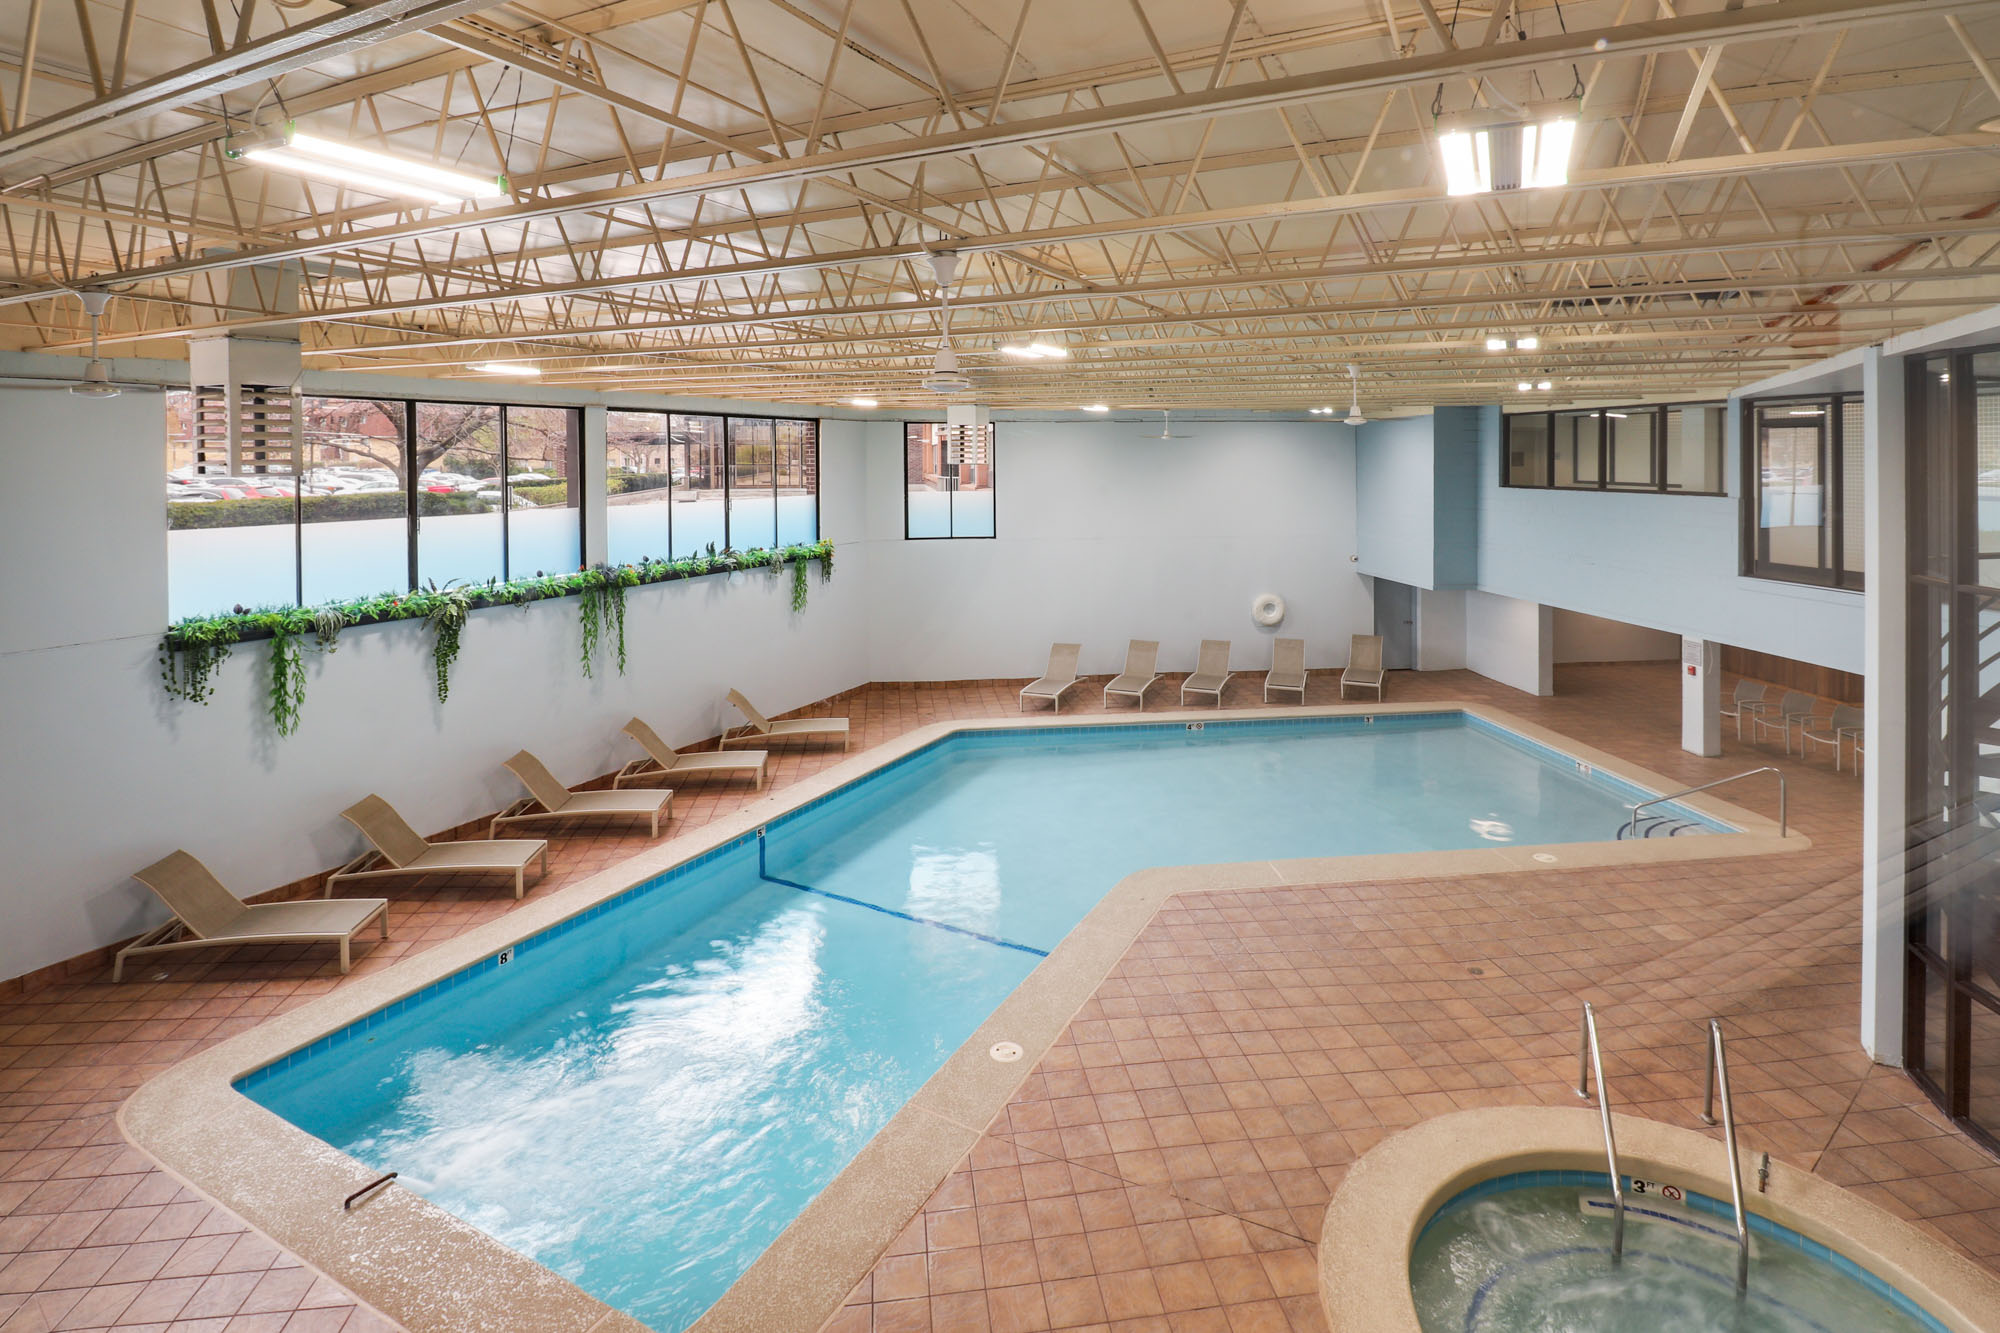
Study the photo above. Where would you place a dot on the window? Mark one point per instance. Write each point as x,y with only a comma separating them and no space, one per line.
948,485
1675,449
677,484
1802,508
388,494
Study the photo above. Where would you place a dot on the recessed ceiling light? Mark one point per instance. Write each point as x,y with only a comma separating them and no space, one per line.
863,402
505,368
1095,407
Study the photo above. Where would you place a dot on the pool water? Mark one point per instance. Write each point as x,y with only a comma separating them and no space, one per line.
644,1099
1537,1259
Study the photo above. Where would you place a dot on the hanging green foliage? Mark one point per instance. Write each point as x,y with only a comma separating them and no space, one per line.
194,648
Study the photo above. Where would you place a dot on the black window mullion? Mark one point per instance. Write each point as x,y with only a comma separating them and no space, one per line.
412,509
506,495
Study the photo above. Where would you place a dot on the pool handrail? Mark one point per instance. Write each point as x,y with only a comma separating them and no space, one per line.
1590,1062
1689,791
1718,1076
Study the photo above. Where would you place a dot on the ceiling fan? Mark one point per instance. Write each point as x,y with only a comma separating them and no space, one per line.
945,376
1354,417
96,381
1166,427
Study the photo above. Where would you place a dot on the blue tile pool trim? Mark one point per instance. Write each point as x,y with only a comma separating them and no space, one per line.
1762,1227
969,736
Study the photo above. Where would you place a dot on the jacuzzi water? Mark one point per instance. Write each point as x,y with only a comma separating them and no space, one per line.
643,1099
1537,1259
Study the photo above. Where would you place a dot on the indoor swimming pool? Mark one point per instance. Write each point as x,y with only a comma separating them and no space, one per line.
642,1097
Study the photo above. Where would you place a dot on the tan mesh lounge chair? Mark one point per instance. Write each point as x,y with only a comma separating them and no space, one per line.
1288,668
1750,699
1794,709
398,850
549,800
1211,671
1142,656
1843,725
663,760
209,916
761,728
1364,665
1061,676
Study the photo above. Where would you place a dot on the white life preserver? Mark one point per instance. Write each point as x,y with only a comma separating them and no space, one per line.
1268,609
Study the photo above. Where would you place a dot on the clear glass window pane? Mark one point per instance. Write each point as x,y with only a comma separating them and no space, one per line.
1630,434
460,494
639,472
1791,470
355,537
1694,449
1986,440
231,540
1528,449
753,494
926,482
798,482
1853,492
1576,449
972,495
698,485
544,531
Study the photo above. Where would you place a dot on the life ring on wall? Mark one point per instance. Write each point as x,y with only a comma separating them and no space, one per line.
1268,609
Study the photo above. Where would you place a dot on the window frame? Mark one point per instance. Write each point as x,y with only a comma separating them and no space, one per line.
813,470
1658,412
1752,562
993,466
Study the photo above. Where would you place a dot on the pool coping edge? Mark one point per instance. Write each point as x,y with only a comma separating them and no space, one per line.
430,1270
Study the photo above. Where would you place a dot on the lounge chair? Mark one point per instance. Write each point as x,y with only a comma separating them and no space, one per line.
549,800
398,850
1288,668
761,728
1061,676
1211,671
1748,701
1794,709
663,760
1141,657
209,916
1843,725
1364,665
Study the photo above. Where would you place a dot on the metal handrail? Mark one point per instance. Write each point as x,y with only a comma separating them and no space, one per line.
1747,773
1718,1076
1590,1061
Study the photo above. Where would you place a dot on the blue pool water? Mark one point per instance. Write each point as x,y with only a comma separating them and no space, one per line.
643,1098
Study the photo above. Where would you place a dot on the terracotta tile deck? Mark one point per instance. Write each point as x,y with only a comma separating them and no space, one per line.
1163,1170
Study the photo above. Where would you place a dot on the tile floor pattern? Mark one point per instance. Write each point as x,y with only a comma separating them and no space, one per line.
1163,1169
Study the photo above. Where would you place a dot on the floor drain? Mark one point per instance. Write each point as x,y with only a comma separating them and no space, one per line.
1006,1052
1546,858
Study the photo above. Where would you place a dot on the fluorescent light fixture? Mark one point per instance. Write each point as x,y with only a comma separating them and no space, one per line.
505,368
1523,387
1546,385
1094,407
1035,351
1509,156
1496,344
1615,416
863,402
1944,377
1803,412
1527,344
366,169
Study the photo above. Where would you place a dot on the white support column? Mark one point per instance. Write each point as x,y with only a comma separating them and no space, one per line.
592,465
1885,620
1701,696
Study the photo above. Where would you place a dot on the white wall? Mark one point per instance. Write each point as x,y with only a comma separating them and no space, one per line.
1440,630
1511,641
1582,638
104,774
1104,536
